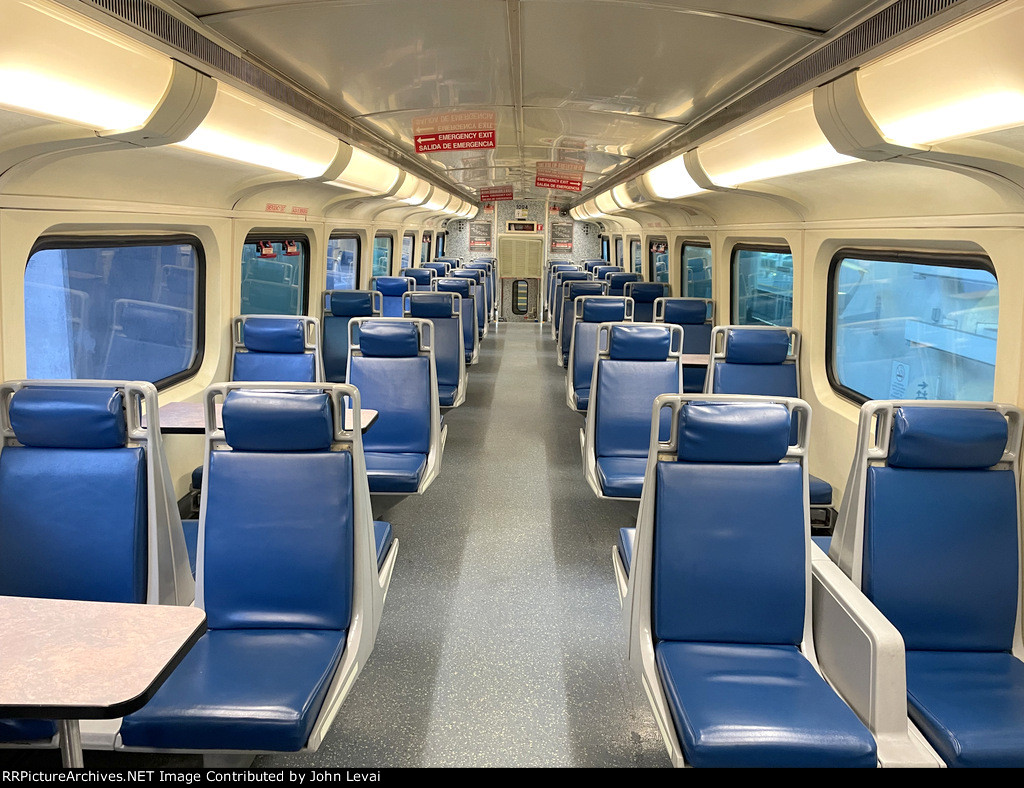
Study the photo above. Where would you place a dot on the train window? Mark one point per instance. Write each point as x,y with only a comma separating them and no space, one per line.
124,309
762,286
343,262
618,251
408,244
907,326
657,259
696,270
425,242
636,260
439,244
274,275
382,246
606,251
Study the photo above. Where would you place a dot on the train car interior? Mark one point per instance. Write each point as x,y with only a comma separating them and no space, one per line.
676,343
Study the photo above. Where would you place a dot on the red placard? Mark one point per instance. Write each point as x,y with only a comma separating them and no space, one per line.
564,175
496,194
454,131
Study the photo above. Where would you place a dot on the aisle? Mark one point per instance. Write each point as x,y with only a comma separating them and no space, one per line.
500,643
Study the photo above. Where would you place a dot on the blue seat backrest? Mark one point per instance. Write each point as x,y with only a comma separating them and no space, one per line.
562,281
549,286
153,341
74,499
940,531
617,282
584,350
691,314
275,350
439,267
392,288
393,379
715,578
590,265
344,305
600,271
279,514
448,339
464,287
644,294
422,276
572,291
637,371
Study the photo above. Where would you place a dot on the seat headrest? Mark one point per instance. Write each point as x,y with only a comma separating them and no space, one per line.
469,273
748,346
352,303
733,432
421,275
604,310
686,311
575,289
431,304
391,285
448,284
572,275
478,265
639,343
273,335
69,418
646,292
154,322
389,339
601,270
277,421
619,278
946,438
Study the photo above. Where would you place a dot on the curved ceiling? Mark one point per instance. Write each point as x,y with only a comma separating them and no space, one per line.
597,82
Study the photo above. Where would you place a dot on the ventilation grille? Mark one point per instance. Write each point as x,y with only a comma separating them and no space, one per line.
519,258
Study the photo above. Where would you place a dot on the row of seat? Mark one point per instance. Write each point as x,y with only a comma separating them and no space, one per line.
292,585
732,610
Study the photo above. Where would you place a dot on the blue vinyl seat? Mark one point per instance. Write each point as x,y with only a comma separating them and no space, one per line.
444,311
477,277
644,294
282,578
635,363
339,307
490,283
571,291
717,600
591,263
393,367
553,268
696,316
561,279
929,530
88,508
276,348
393,289
467,303
590,312
602,271
617,282
439,267
422,276
763,360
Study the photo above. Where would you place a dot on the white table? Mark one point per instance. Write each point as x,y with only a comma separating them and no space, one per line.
187,418
70,660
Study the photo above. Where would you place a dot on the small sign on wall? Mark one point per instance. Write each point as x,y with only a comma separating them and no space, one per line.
561,237
480,235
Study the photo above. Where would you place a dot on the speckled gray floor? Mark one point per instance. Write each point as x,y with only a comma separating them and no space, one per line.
500,643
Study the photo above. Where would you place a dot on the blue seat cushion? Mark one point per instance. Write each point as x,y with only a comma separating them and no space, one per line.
191,531
627,540
26,730
621,477
382,539
738,705
241,689
969,705
582,398
394,471
446,395
824,542
820,491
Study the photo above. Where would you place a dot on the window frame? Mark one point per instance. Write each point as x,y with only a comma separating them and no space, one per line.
684,280
635,239
426,246
620,251
440,241
51,242
753,247
651,267
389,235
340,235
414,257
974,261
280,236
606,247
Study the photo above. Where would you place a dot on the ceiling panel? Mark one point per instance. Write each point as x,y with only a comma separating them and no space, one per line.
810,14
625,135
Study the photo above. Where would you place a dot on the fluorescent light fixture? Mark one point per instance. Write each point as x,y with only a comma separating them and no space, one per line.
413,190
966,80
783,141
621,196
62,65
366,173
438,200
670,180
606,203
245,129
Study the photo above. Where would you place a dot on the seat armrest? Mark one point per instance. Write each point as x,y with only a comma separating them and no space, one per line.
862,656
